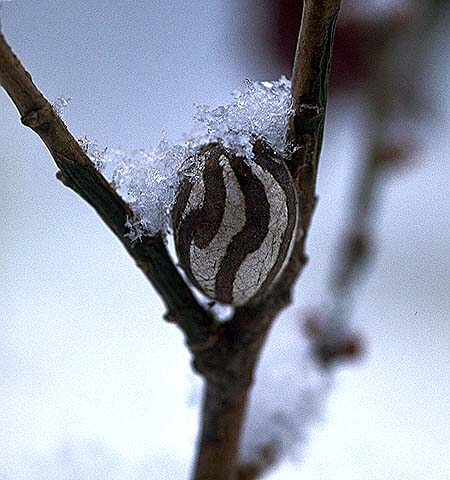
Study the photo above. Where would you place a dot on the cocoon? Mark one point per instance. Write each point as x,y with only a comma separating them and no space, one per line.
235,222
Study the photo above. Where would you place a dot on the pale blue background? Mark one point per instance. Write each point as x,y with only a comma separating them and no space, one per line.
93,383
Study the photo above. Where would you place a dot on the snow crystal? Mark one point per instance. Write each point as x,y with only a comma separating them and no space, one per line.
262,110
93,150
148,181
60,104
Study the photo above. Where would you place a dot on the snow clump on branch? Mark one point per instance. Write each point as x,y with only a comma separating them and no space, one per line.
149,181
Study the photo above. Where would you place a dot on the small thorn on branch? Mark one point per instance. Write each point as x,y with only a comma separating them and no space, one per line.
62,178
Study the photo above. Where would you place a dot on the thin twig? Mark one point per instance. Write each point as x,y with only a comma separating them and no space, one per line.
225,354
243,336
384,151
78,172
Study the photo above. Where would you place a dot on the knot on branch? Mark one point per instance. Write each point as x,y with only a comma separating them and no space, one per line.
63,179
310,110
37,119
204,344
197,341
308,118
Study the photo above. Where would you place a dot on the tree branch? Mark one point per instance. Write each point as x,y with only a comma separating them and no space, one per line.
310,77
79,173
225,354
384,152
229,370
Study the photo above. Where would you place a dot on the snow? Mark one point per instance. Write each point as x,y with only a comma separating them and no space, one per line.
262,110
60,104
148,180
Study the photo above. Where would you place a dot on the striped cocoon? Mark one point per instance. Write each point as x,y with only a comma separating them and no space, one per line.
234,223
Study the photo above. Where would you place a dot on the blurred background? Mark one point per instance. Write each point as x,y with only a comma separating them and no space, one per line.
93,383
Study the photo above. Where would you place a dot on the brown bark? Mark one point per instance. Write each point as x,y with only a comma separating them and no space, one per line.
218,448
77,172
225,354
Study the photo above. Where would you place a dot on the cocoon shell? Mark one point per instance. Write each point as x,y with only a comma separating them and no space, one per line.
234,223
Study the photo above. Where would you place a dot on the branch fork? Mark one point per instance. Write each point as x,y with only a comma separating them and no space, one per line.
225,354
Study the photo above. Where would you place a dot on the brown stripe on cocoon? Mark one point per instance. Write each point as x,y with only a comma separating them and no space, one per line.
234,224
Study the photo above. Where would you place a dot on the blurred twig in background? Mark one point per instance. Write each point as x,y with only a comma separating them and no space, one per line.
376,59
392,99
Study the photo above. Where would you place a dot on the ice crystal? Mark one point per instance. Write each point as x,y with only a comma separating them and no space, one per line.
148,180
60,104
94,151
262,110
